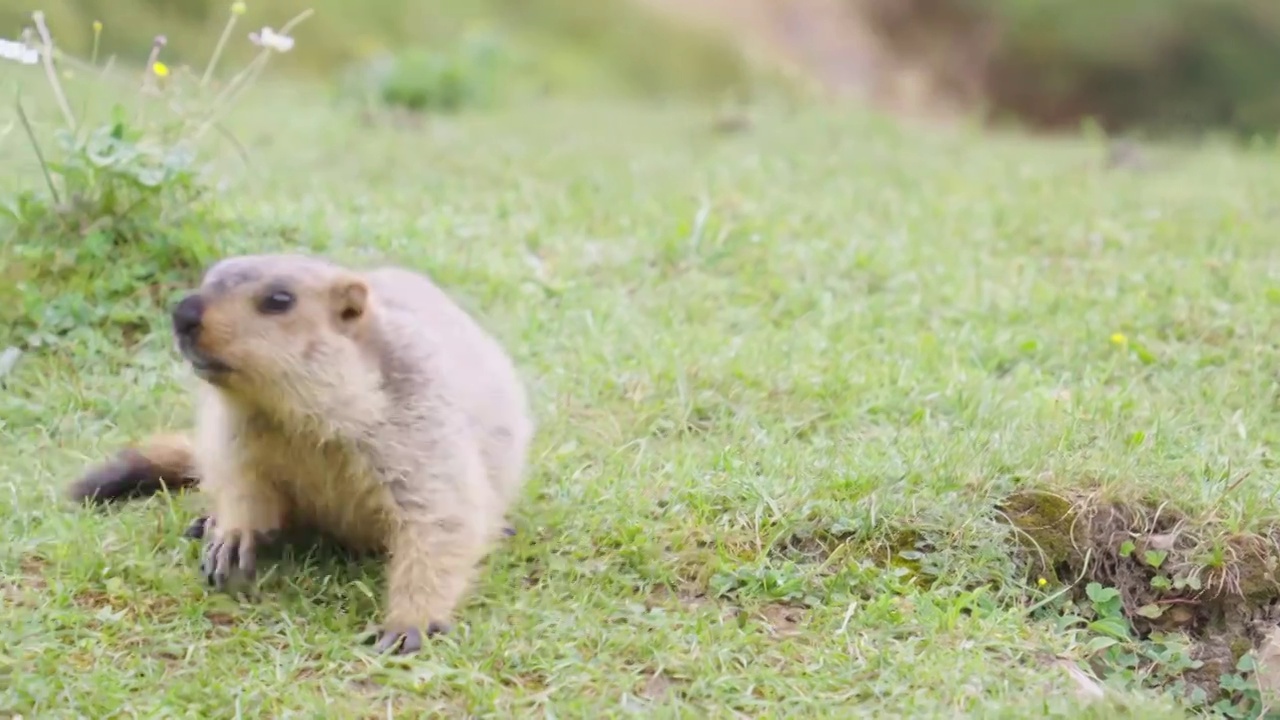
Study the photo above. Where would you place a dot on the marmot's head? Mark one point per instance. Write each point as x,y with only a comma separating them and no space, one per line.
273,328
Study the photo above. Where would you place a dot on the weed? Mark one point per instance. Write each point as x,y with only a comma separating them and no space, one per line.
428,80
126,208
467,73
1129,658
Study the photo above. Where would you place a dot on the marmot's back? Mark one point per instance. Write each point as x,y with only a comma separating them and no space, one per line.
420,318
425,323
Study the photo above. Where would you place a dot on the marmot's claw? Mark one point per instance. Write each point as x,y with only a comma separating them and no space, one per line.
197,528
223,554
402,642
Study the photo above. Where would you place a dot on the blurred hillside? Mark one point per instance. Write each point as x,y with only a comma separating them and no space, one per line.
563,43
1158,65
1165,65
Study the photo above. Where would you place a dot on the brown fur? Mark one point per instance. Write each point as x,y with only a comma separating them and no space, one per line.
161,461
374,409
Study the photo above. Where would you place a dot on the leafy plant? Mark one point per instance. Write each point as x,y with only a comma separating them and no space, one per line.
124,211
1158,659
439,80
1241,697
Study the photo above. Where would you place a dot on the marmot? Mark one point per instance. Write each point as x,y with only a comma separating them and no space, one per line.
367,405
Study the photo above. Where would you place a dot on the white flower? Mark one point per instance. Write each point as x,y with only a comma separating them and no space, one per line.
19,52
269,38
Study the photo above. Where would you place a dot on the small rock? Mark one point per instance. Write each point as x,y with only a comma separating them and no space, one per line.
1267,662
9,360
729,123
1126,154
1164,541
1087,689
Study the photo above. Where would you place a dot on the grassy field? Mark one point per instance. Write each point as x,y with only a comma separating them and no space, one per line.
794,384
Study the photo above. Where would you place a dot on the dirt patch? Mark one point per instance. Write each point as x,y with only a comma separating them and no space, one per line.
782,620
221,619
688,598
1221,592
779,620
904,549
32,568
95,600
658,687
686,595
30,581
134,605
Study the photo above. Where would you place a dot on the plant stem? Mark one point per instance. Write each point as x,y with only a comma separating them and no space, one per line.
240,81
289,26
44,168
147,73
52,73
217,50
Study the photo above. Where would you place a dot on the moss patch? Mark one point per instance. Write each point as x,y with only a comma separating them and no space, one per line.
1173,573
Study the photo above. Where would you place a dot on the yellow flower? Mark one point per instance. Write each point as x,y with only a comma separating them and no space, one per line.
1119,338
237,8
160,69
1041,582
97,26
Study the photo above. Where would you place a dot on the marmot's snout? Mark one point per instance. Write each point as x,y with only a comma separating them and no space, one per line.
187,315
188,318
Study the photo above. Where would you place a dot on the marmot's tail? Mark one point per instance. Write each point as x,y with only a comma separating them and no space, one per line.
159,462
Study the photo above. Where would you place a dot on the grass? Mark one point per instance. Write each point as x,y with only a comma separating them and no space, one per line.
785,378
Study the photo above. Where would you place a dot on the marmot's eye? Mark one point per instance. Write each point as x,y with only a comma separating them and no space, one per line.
276,303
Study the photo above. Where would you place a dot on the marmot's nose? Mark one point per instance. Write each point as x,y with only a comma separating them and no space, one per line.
187,314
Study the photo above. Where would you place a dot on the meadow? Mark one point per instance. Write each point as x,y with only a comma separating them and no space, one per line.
839,416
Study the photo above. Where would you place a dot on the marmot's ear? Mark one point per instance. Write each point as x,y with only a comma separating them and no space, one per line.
350,297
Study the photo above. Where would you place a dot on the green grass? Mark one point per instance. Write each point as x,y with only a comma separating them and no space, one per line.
765,366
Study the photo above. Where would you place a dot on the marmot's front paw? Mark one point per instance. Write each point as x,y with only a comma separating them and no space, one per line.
402,642
228,549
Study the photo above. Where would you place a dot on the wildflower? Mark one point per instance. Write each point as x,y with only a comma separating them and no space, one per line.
1041,582
97,26
160,69
1119,339
272,40
19,52
237,8
160,41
